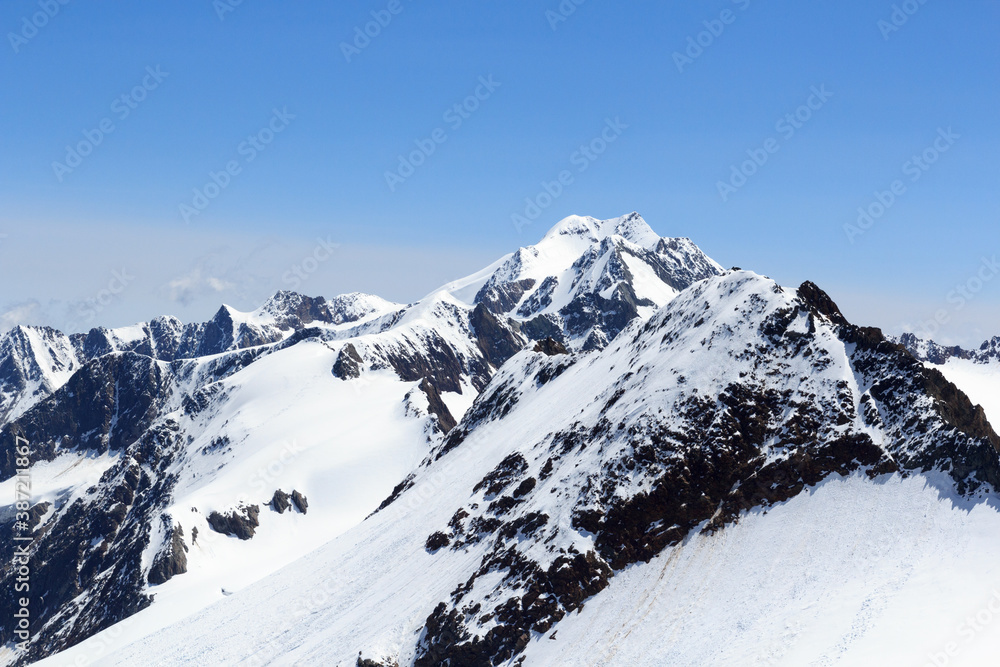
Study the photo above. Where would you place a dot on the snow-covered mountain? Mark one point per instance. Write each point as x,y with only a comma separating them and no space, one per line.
163,453
743,478
976,372
34,361
594,451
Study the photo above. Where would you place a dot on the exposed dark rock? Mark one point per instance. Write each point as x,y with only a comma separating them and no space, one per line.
436,406
240,522
437,541
348,364
543,326
525,487
94,546
171,561
300,502
367,662
503,297
498,341
510,469
36,513
438,362
819,302
397,491
549,596
550,347
541,299
106,405
293,310
280,502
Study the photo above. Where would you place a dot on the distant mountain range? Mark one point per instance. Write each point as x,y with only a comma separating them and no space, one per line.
476,472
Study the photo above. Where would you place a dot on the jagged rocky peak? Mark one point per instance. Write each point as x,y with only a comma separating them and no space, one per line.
356,306
294,310
740,394
33,362
991,348
587,279
28,342
933,353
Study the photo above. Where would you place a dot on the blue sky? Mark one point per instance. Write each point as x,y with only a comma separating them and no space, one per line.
557,77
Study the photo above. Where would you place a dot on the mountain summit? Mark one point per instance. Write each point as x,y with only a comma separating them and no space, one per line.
485,476
143,437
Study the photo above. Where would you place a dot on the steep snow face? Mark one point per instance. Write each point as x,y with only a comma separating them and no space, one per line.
180,415
581,479
163,454
587,279
833,576
34,361
284,423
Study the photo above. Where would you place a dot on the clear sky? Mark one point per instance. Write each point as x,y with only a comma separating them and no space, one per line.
113,115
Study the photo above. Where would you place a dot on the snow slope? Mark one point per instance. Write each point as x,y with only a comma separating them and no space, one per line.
852,573
832,577
335,399
34,361
660,499
344,446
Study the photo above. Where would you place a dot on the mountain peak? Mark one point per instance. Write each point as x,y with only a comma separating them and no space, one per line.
630,227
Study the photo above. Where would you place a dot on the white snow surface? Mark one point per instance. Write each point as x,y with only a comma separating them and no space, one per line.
852,572
287,423
44,358
291,425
